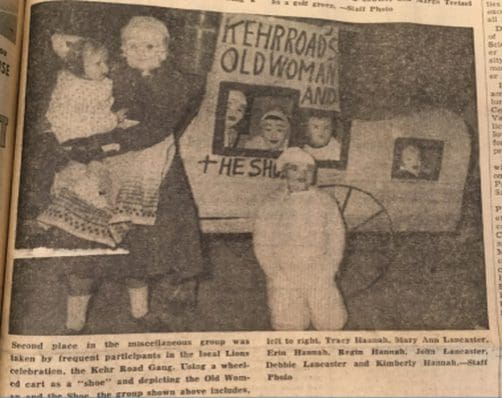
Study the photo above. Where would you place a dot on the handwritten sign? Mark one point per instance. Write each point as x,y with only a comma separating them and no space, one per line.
262,67
239,166
284,53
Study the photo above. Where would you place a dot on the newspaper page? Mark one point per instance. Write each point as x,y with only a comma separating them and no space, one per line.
256,198
9,66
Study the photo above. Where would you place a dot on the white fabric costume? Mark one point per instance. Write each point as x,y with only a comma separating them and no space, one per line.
80,107
331,151
299,240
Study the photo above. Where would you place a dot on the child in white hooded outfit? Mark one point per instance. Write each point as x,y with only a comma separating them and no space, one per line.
299,240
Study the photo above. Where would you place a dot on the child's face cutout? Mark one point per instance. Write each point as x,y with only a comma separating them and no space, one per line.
319,131
274,132
95,63
299,176
144,50
236,108
411,160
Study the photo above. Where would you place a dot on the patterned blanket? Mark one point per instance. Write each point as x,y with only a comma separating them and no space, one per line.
101,201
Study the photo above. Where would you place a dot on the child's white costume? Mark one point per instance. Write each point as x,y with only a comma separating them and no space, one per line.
299,241
80,107
331,151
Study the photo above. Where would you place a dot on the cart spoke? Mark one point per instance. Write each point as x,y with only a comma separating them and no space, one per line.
371,218
346,200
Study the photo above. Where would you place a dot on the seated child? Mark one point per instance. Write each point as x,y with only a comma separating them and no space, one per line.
236,109
321,143
274,132
299,240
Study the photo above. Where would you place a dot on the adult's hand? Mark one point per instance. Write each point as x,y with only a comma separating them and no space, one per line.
85,151
138,137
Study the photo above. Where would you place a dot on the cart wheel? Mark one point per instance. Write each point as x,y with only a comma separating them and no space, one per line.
370,239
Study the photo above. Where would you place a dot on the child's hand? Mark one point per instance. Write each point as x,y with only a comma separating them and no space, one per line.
121,115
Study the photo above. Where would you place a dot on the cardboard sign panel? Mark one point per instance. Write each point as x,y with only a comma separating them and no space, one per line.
270,77
274,83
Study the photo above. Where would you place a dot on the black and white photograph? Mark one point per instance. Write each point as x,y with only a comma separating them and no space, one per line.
194,171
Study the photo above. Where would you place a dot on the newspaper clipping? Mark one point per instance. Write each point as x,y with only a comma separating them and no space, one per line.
256,198
9,66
